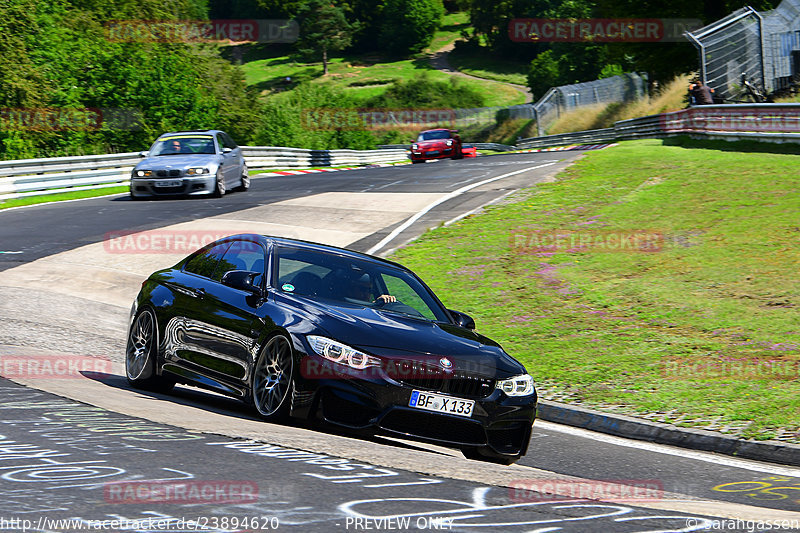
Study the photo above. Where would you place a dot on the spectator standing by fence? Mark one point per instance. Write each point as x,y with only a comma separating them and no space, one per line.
700,94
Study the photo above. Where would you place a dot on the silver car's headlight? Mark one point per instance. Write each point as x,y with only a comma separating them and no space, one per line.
341,353
143,173
196,171
521,385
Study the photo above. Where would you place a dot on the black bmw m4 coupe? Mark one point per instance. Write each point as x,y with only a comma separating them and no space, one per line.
312,331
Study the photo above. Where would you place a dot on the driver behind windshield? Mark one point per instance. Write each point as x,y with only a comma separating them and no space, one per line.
174,147
361,289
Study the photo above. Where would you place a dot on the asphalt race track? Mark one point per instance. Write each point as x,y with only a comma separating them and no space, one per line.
88,448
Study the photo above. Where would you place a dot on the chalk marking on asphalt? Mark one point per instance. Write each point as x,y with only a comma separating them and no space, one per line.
6,252
405,225
668,450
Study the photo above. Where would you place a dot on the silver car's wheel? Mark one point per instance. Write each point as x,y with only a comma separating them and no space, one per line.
272,379
141,353
245,181
219,187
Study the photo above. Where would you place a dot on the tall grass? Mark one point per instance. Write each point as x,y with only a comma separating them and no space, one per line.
671,97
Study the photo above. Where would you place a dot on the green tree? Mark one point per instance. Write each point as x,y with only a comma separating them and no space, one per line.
324,28
543,74
409,25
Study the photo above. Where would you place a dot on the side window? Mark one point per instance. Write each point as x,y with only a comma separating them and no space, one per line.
242,255
204,263
221,141
229,141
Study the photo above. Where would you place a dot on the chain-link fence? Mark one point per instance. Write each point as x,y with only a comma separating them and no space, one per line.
782,45
763,48
565,98
485,115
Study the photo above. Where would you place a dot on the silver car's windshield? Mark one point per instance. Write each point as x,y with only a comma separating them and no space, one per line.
183,145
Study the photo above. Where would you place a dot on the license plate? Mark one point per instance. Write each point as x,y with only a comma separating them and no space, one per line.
172,183
433,152
439,403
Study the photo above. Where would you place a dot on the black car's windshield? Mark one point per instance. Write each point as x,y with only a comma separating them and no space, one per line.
433,135
183,145
336,278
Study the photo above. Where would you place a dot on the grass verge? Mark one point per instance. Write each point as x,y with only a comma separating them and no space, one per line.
483,63
702,332
363,78
60,197
453,24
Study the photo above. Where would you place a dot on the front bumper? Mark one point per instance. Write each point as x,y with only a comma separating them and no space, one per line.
500,424
423,155
188,186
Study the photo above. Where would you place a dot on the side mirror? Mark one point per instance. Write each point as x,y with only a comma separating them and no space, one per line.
143,153
462,319
242,280
227,150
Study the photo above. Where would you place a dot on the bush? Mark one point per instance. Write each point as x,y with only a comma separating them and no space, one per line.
288,120
421,92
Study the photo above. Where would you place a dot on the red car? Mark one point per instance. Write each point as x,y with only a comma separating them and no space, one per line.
436,144
467,150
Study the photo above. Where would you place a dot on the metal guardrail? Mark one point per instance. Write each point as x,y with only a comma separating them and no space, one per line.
480,146
33,177
761,122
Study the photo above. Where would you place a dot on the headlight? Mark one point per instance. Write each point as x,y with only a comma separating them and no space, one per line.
341,353
449,142
415,147
195,171
521,385
143,173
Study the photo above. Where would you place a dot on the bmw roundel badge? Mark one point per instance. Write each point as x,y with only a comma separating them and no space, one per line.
445,362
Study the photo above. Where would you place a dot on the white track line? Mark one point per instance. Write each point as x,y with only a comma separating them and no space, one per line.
405,225
669,450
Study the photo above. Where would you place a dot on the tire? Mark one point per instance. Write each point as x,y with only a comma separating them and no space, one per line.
141,353
219,186
459,155
245,181
476,455
273,380
415,161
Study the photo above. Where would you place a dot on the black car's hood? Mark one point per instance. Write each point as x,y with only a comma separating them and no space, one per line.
180,161
397,336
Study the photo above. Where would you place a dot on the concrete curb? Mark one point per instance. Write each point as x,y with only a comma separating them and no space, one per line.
697,439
